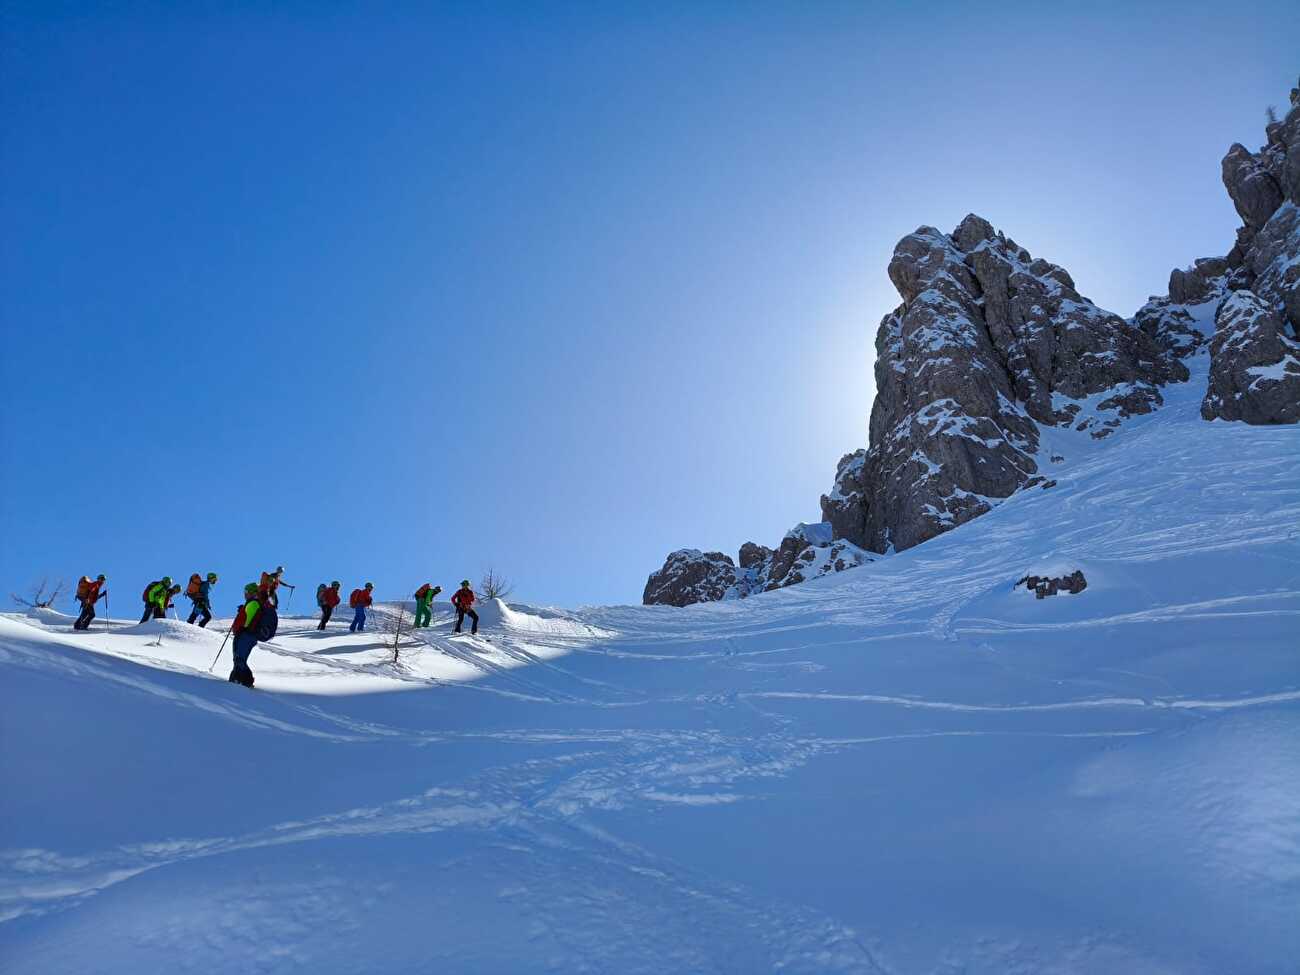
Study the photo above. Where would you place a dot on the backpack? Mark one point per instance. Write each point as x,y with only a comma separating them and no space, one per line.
320,595
145,595
355,599
422,591
83,588
265,623
192,589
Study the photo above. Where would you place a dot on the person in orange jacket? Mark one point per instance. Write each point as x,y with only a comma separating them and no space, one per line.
359,600
88,593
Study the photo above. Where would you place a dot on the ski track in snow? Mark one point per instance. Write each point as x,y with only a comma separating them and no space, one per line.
539,749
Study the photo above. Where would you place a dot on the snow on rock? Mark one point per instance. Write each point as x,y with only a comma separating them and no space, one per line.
807,552
988,344
690,576
1254,367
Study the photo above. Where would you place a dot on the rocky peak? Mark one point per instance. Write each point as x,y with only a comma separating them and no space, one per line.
988,343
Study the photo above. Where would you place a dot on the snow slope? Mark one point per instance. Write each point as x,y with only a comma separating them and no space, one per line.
909,767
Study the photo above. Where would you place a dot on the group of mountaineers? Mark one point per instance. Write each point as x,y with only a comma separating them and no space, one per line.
257,618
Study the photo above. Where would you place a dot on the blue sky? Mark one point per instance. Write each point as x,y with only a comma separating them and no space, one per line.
400,293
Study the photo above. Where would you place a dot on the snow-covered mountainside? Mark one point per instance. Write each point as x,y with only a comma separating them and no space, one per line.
915,767
991,347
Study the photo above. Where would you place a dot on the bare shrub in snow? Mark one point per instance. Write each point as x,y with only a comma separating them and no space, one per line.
395,628
495,586
41,595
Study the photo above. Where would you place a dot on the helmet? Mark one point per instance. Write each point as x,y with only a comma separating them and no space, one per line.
166,580
279,570
464,582
251,587
370,585
335,584
212,577
102,577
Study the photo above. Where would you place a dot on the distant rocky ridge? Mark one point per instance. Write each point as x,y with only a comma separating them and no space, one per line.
990,345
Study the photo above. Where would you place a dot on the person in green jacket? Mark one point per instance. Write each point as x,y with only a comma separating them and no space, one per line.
424,603
156,597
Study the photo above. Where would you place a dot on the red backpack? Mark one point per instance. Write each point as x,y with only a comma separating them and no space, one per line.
355,599
83,588
193,588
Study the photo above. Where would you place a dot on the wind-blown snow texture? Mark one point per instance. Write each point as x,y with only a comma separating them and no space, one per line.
912,767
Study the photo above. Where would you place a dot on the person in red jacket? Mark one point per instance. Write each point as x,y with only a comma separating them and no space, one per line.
463,600
359,600
329,598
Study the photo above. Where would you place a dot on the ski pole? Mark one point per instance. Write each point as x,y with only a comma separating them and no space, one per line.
292,590
105,612
222,647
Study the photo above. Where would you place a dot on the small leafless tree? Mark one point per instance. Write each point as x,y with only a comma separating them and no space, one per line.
495,586
396,629
41,595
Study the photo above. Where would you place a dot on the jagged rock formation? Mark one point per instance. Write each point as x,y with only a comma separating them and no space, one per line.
1254,368
988,343
690,576
1249,300
807,552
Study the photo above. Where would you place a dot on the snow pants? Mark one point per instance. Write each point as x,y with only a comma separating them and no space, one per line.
201,608
460,618
87,614
423,611
152,611
325,613
358,621
243,646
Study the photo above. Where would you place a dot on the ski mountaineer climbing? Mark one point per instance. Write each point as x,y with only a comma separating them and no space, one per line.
200,594
463,600
424,603
327,597
88,593
271,581
359,600
157,597
254,622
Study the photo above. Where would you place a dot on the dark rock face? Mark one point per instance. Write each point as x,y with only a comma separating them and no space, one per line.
988,342
754,556
806,552
690,576
1254,190
1042,586
1254,368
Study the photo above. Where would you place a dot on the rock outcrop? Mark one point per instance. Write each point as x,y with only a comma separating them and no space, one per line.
1042,586
1254,368
988,343
691,576
807,552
